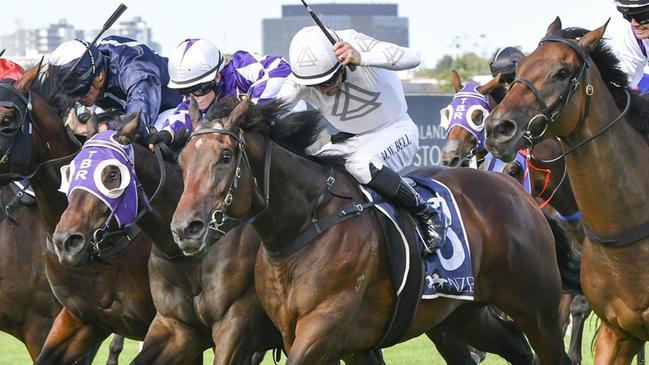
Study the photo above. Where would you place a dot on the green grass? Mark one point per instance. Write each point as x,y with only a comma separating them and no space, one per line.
416,351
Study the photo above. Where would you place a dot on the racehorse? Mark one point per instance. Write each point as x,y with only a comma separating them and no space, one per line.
334,297
199,303
574,89
111,295
546,177
227,309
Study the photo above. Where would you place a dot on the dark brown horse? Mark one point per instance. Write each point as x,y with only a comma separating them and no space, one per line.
573,89
108,296
334,297
548,179
201,302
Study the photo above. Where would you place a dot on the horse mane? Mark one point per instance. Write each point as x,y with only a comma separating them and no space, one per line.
616,81
295,131
48,85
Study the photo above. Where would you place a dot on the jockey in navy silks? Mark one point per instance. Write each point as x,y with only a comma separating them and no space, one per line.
198,68
119,73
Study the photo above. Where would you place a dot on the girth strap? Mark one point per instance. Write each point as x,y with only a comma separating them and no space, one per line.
314,230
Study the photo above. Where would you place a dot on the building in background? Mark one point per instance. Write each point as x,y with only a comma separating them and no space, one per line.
26,46
380,21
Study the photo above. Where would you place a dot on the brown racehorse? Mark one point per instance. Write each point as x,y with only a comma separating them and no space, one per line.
575,90
548,182
108,296
201,302
334,297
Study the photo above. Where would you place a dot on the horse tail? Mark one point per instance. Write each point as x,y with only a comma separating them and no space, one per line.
569,264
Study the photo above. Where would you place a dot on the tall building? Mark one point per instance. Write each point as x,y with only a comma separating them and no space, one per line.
26,46
380,21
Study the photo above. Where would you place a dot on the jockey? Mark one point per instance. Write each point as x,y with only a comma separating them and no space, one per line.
504,63
369,108
198,68
118,73
10,70
630,38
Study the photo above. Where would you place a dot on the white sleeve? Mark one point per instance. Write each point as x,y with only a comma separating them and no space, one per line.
383,54
291,92
625,45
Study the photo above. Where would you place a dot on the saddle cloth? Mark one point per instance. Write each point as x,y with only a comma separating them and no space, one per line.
448,272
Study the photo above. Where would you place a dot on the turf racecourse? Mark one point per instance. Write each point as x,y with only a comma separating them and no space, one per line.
416,351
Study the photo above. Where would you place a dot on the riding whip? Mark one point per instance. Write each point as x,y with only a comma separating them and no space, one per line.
323,28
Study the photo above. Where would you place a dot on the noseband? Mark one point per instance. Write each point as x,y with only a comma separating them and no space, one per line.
221,222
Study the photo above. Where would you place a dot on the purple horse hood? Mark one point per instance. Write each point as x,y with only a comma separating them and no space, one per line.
458,112
85,173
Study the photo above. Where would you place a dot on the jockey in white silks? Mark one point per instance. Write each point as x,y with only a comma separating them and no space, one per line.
368,107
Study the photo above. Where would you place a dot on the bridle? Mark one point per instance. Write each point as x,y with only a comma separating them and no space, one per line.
551,113
221,221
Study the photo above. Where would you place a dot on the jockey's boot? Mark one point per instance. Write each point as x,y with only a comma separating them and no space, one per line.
389,184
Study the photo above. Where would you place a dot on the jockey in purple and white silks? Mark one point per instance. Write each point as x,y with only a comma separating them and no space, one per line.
85,173
630,38
368,106
118,73
198,68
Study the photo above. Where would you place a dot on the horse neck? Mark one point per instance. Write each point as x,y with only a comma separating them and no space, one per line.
49,141
295,186
157,223
609,174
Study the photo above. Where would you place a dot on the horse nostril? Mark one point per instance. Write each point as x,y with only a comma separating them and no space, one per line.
74,241
194,228
506,128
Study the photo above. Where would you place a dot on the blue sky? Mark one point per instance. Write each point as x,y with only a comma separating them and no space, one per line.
435,25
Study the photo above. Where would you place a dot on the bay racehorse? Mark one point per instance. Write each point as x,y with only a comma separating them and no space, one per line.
537,169
196,297
334,297
574,89
201,301
111,295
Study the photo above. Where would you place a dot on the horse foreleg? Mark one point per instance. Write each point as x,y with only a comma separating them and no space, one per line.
613,348
453,351
34,332
564,311
169,341
641,356
69,340
115,348
579,310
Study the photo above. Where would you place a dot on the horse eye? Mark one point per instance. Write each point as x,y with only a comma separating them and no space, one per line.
563,74
226,156
113,175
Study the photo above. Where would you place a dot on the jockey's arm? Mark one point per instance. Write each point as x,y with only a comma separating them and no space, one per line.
374,53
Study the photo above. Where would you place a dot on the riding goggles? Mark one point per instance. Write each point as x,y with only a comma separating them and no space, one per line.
199,89
642,17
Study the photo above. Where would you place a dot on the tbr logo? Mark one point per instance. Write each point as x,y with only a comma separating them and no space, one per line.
306,58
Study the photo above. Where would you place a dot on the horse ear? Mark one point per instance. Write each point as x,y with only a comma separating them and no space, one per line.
194,113
554,27
489,86
241,109
28,78
456,81
591,40
127,133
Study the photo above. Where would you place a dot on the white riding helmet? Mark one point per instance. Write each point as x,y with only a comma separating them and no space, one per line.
311,56
194,62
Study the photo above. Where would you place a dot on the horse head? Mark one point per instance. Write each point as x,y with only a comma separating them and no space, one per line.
550,94
464,118
220,169
103,193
